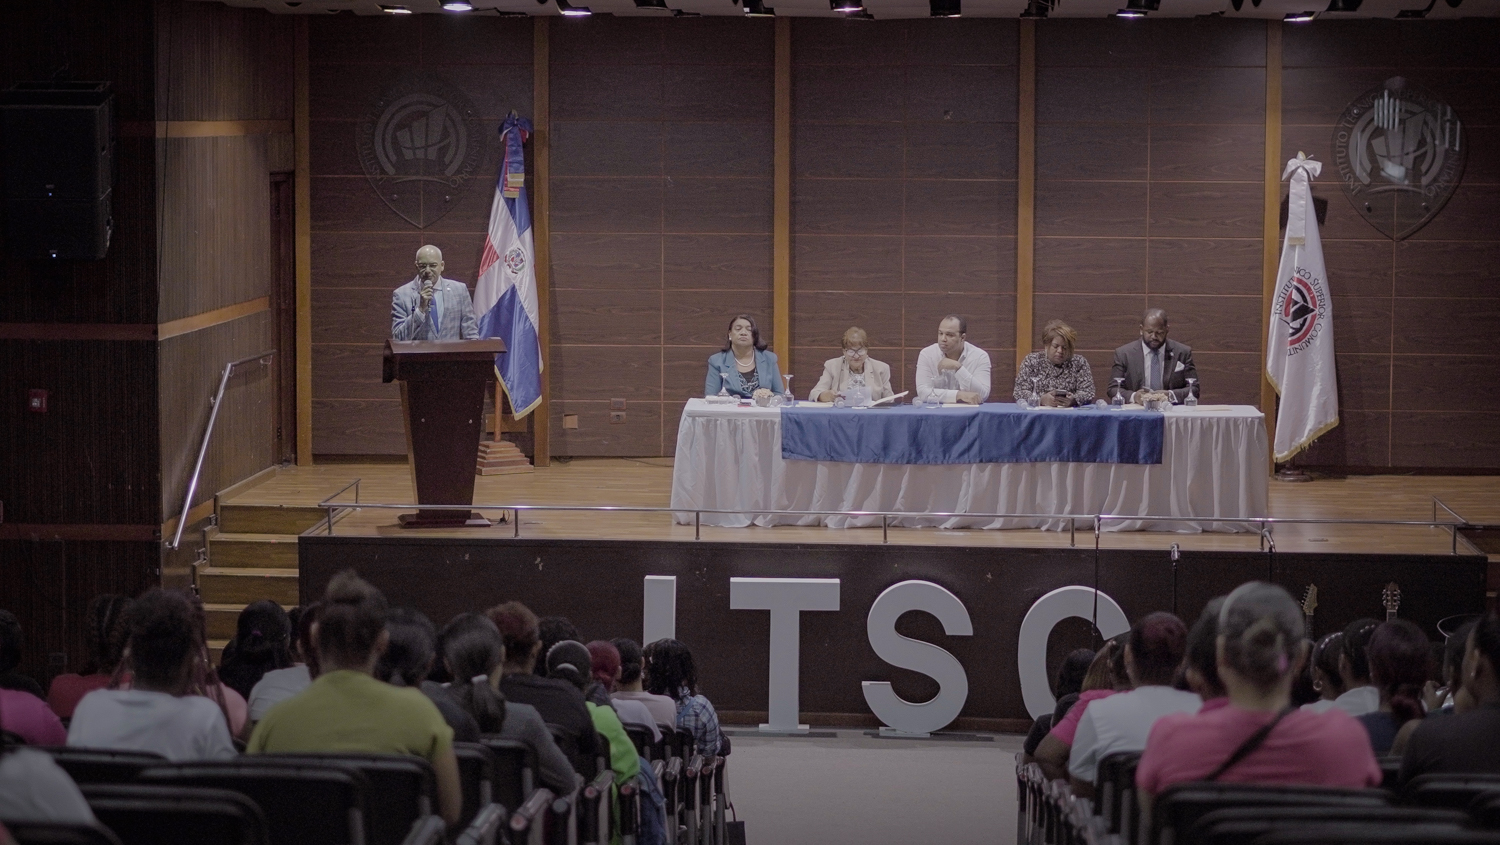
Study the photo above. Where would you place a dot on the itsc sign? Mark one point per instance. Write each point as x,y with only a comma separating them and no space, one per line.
787,598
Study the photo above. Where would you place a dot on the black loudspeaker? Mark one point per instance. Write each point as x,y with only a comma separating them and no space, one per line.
58,143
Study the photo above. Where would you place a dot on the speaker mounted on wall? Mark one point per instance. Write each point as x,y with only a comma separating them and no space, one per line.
59,148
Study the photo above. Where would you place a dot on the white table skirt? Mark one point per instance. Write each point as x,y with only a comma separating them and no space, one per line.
1214,464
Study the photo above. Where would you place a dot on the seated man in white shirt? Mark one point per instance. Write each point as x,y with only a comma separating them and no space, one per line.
156,714
1123,722
953,370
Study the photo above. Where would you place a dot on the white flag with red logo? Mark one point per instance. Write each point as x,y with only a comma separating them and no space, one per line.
1299,351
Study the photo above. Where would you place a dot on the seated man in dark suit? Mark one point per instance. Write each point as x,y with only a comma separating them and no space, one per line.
1153,362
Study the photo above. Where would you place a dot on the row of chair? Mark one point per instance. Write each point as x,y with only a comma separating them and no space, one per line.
1431,810
693,785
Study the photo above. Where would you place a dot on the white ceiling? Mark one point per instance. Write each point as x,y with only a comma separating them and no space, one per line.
895,9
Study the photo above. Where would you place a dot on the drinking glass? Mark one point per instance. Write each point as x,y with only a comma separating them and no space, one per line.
723,382
790,400
1118,399
1191,400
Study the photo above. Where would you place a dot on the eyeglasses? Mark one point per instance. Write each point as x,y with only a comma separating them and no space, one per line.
428,265
856,353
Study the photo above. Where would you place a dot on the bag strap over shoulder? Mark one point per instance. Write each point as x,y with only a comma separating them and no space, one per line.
1251,743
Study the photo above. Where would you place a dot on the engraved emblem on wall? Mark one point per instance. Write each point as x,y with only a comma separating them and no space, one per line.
1400,153
419,145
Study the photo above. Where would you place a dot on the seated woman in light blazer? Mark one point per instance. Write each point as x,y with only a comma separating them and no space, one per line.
747,361
856,360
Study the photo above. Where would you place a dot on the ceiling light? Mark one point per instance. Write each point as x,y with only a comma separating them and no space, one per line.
944,8
1299,17
1130,13
395,10
570,10
758,9
458,5
846,6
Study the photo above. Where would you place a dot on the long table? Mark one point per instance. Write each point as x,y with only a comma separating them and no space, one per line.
1214,465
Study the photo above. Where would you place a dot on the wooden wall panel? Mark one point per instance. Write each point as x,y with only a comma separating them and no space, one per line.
1149,163
904,189
214,63
361,250
661,217
1413,318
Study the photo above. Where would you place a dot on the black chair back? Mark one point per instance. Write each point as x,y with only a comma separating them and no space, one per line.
1455,791
515,770
1179,806
57,833
643,738
476,774
141,814
584,764
1486,810
103,765
686,745
402,790
1243,825
1114,790
304,803
1359,833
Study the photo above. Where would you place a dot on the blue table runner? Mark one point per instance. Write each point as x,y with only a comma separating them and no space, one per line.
990,433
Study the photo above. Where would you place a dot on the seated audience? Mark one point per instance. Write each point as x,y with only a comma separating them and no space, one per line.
1359,696
346,709
278,685
161,713
551,630
560,703
1453,670
839,372
29,718
1154,363
1260,652
33,788
744,365
1122,722
407,661
108,629
1325,672
1065,690
1397,655
473,652
607,671
1106,676
1464,742
569,661
953,369
12,643
1060,378
670,672
1201,666
262,643
630,686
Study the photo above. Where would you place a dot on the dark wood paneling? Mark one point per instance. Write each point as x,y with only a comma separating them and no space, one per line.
1361,439
848,150
350,315
960,264
848,262
1438,439
1364,382
363,40
1318,95
606,317
1440,381
222,64
1211,323
839,93
717,149
718,41
1362,268
1207,42
639,435
1447,268
1225,377
635,148
845,207
1230,153
1091,209
945,93
375,262
605,372
1209,95
351,371
606,205
1447,326
1468,216
683,372
1090,151
1206,210
1090,94
1209,266
700,318
695,92
978,42
603,92
1362,324
358,427
1340,44
1090,265
960,207
820,318
470,41
991,319
1093,43
708,262
841,42
724,206
1103,321
606,262
962,151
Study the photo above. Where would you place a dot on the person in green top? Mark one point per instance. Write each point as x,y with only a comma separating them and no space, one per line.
569,661
347,710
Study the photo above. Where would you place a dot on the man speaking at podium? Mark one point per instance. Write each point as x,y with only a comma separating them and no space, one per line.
430,307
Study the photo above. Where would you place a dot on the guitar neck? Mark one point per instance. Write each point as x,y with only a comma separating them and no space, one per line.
1390,614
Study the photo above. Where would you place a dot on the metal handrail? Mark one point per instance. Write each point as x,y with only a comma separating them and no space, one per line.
1097,521
187,501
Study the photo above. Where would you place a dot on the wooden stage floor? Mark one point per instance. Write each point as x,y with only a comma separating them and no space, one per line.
647,482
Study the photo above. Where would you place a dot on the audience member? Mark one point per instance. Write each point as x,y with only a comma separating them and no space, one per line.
1453,669
262,643
1464,742
560,703
1359,696
473,652
551,630
1106,676
1122,722
631,684
670,672
607,672
1397,655
33,788
346,709
278,685
569,661
12,643
1257,736
408,659
108,629
1304,690
162,713
1201,667
29,718
1324,667
1065,690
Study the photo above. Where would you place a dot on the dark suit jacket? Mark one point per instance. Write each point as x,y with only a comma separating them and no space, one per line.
1177,368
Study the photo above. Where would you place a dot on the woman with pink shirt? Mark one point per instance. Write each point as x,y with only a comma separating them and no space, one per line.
1106,676
1258,736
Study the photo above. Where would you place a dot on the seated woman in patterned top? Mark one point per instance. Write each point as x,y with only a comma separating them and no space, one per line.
1062,379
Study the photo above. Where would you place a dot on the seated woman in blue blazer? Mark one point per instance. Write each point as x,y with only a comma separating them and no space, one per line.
747,361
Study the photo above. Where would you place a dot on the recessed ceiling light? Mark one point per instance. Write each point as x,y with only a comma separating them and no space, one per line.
395,10
846,6
458,5
1299,17
1130,13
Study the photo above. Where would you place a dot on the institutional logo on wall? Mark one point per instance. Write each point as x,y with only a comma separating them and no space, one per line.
1400,152
419,145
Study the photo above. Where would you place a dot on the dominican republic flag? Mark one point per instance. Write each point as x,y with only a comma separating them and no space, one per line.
505,295
1299,350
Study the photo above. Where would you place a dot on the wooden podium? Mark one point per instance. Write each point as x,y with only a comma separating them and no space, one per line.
442,397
